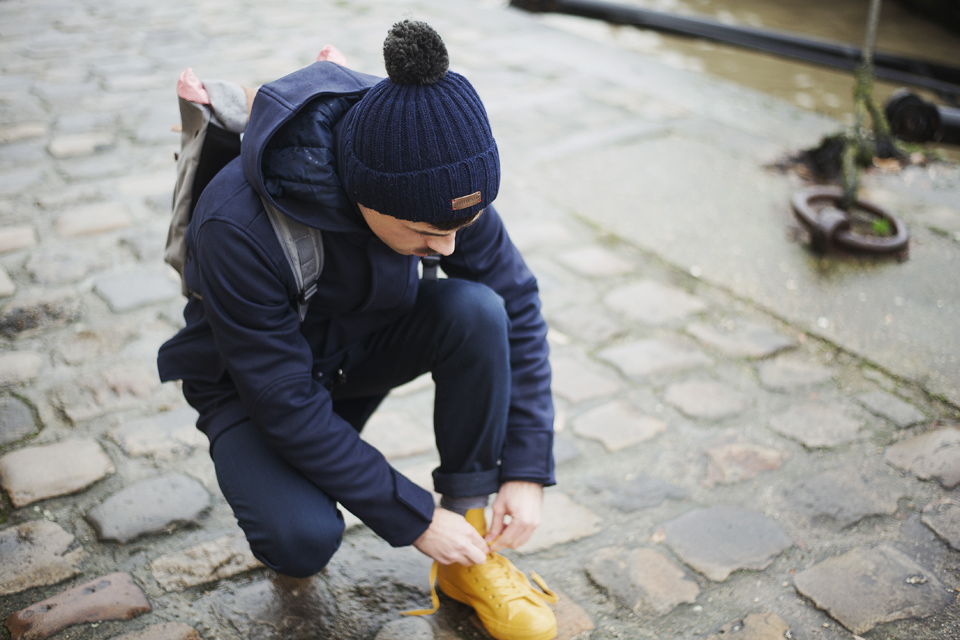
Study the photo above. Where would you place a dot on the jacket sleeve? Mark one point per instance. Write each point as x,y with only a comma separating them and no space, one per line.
244,288
485,254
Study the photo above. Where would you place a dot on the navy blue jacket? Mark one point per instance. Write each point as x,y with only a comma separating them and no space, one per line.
243,341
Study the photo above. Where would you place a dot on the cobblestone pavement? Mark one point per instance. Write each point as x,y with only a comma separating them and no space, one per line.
722,474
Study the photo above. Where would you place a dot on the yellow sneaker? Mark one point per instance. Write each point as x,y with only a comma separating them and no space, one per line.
505,601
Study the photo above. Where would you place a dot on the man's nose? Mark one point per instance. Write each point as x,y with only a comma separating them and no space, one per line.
444,245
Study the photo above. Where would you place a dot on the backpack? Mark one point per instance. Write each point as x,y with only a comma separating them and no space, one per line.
209,139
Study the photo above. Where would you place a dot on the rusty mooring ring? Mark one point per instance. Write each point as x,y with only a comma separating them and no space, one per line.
831,225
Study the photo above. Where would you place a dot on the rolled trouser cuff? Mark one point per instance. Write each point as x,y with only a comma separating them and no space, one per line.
459,485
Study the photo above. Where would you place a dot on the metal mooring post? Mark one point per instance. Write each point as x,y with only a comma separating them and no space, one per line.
859,149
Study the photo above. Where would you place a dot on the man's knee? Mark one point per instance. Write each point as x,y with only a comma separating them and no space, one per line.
474,310
298,549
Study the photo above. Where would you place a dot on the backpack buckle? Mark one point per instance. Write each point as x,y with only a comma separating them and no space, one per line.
307,293
430,264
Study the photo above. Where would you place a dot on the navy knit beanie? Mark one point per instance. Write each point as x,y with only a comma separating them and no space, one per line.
418,145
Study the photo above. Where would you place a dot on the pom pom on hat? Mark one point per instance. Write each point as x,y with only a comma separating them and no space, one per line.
418,145
414,54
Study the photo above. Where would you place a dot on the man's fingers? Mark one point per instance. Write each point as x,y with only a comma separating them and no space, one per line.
476,556
496,526
514,535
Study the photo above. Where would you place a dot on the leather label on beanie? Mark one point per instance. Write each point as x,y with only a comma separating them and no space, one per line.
464,202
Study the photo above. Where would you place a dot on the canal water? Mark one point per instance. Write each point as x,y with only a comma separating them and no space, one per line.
808,86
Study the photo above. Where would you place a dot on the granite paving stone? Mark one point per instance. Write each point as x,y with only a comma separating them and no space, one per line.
816,425
587,322
843,497
573,623
738,461
37,553
643,580
406,629
104,165
718,540
80,144
641,492
114,596
562,520
652,357
23,131
943,518
617,425
7,286
705,399
65,265
163,436
145,185
933,455
397,435
595,262
38,313
756,626
885,405
92,219
150,506
653,303
564,450
868,586
146,244
16,420
83,346
269,610
45,471
163,631
16,181
70,196
19,367
207,562
126,291
421,472
154,129
136,83
123,385
741,339
22,154
786,374
576,381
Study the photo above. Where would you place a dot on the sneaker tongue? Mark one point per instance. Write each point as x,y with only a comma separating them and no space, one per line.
478,520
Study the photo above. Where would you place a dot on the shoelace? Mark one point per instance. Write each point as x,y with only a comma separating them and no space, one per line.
513,587
434,599
503,580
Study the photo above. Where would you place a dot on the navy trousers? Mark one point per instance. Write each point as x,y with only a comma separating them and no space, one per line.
458,331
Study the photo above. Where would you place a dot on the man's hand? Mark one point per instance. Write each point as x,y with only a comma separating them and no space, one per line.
451,539
522,501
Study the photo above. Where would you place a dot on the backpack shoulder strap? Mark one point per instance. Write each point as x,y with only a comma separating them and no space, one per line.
303,247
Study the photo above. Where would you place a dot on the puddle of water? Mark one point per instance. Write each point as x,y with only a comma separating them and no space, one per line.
808,86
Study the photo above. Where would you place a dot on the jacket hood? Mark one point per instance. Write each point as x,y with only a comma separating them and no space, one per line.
287,151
